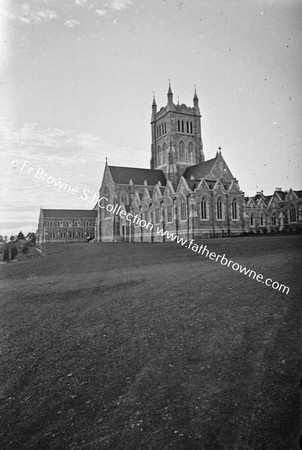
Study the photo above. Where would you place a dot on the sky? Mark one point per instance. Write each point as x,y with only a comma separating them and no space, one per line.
77,81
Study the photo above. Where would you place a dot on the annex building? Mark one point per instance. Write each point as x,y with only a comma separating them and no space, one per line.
182,193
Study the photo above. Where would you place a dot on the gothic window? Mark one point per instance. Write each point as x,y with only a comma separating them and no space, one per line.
183,209
124,199
187,127
274,219
191,152
191,127
146,216
182,126
261,220
234,209
169,212
178,125
181,151
164,153
203,209
219,209
252,222
159,155
157,214
292,214
165,128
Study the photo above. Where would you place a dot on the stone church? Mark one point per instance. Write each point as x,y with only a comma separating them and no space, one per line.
181,193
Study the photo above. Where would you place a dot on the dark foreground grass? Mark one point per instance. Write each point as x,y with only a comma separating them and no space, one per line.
139,346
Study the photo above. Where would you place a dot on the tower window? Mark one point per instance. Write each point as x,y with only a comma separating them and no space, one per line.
164,153
178,125
159,155
181,151
187,127
191,152
182,126
191,127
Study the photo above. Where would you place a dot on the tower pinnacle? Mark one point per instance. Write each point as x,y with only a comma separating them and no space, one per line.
170,94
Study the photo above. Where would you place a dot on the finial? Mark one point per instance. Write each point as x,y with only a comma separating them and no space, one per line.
178,101
106,160
154,102
195,93
169,90
219,148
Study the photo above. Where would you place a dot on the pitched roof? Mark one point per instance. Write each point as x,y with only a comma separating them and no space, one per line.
298,194
72,213
200,170
122,175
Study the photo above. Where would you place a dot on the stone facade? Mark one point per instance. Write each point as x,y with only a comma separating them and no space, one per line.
181,193
281,211
66,225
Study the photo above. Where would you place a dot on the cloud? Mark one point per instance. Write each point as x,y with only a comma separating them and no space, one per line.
118,5
75,158
80,2
71,23
101,12
25,14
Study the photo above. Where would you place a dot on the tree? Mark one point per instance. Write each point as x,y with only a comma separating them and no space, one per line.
21,235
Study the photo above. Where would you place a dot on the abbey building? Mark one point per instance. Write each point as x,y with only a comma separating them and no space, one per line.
182,193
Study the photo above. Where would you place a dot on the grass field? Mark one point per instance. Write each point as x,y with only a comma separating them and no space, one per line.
151,346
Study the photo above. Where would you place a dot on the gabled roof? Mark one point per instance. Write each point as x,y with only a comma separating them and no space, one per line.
280,194
72,213
122,175
200,170
298,194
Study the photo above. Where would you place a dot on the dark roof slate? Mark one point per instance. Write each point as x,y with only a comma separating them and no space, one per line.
122,175
66,213
199,171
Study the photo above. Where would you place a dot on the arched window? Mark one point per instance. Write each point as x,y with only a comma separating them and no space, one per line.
191,127
274,219
203,209
159,162
261,220
191,152
181,151
165,130
252,222
188,127
292,214
183,209
178,125
157,214
234,209
182,126
164,153
169,212
219,209
124,199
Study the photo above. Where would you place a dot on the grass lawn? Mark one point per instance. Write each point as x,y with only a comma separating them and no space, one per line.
141,346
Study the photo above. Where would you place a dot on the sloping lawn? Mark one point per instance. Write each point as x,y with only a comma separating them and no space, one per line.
151,346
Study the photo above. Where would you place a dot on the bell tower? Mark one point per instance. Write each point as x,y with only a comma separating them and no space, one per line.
176,137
